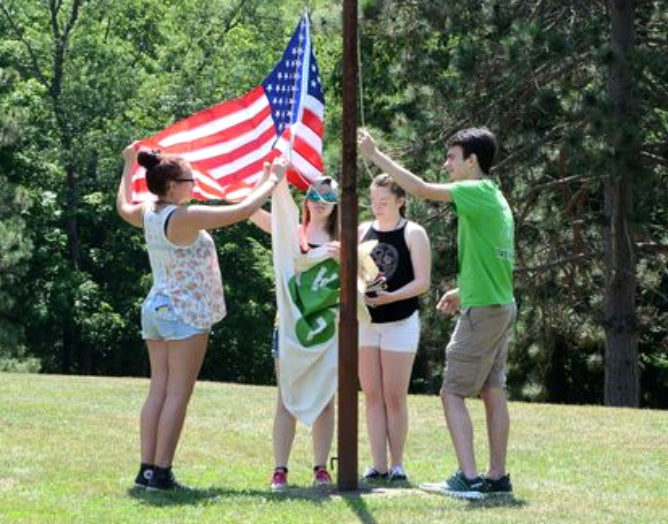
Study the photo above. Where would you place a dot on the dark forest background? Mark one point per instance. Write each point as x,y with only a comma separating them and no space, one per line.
575,91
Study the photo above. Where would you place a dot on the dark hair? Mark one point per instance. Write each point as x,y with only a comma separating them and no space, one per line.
332,225
476,140
385,180
161,169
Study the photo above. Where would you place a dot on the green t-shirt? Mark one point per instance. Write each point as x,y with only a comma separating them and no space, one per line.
484,243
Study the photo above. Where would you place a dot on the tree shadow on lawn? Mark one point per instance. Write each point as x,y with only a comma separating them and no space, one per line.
354,499
197,495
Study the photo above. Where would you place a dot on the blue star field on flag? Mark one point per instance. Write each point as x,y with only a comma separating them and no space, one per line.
284,86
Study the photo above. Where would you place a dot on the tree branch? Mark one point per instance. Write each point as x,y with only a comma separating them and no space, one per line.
579,257
35,70
651,247
654,158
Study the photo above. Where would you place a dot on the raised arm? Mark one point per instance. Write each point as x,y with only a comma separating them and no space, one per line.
131,213
197,217
411,183
262,219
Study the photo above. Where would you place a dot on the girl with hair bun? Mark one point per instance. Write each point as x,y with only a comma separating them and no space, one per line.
186,298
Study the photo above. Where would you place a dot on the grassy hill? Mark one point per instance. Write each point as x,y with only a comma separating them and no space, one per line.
68,453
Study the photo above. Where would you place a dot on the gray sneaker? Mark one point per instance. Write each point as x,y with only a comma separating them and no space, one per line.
458,486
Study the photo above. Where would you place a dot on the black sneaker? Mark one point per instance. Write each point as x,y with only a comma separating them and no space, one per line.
163,479
499,487
144,476
372,474
458,486
397,474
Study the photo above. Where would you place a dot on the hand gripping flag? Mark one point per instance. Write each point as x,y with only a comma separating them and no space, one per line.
228,144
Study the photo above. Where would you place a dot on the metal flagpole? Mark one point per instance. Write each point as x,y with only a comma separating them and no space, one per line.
348,339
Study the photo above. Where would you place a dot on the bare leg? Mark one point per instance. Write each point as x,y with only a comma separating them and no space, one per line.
150,413
498,427
283,430
323,433
184,362
461,431
370,374
396,369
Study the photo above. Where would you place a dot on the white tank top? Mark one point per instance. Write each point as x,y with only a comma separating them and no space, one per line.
188,275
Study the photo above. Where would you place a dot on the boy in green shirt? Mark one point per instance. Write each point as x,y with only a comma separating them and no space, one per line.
477,352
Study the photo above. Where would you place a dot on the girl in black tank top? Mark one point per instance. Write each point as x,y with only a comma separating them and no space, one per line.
393,259
388,344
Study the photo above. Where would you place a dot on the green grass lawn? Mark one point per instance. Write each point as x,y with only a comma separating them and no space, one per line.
69,453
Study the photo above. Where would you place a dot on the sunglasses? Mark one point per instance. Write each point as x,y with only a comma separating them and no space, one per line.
184,180
327,196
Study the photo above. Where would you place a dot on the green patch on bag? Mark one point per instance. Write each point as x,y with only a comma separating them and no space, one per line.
315,292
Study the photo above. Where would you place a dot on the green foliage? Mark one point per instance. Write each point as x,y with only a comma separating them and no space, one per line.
15,241
536,74
73,275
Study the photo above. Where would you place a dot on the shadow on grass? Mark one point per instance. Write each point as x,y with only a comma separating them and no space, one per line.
495,502
354,499
198,495
358,506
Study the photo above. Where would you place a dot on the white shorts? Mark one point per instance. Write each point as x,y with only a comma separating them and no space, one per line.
401,336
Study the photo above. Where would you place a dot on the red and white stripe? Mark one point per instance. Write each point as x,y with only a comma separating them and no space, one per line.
228,144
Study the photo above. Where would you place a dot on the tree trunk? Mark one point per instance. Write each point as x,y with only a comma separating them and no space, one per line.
61,36
622,384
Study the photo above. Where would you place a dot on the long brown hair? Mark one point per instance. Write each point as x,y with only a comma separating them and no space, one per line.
332,226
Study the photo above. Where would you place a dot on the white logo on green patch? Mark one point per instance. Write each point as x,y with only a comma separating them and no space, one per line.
315,292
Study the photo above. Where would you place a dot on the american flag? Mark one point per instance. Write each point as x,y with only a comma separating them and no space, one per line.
228,144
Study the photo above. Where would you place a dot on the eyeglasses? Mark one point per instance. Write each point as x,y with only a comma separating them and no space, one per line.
184,180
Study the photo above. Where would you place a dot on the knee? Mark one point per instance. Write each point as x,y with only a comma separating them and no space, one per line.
372,395
443,393
178,394
280,407
493,396
447,398
395,402
157,393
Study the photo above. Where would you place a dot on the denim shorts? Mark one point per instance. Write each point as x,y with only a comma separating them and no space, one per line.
159,321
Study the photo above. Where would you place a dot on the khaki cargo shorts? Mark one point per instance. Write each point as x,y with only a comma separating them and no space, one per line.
478,349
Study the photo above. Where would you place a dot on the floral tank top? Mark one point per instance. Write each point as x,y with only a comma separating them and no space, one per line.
188,275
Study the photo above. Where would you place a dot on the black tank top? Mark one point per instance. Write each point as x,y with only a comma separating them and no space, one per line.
393,258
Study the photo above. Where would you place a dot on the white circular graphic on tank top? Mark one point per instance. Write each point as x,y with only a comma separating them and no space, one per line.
386,257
